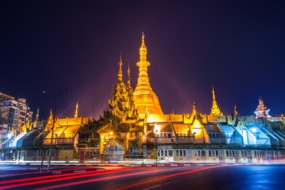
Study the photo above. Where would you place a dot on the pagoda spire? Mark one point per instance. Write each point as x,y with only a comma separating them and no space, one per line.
37,118
49,122
129,76
76,110
143,64
120,73
50,118
38,115
215,110
213,93
235,110
144,96
143,52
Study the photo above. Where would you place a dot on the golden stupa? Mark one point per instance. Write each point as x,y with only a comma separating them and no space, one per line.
146,101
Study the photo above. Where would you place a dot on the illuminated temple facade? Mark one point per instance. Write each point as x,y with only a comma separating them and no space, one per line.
212,137
134,127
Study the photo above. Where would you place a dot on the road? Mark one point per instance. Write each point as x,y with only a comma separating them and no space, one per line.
191,177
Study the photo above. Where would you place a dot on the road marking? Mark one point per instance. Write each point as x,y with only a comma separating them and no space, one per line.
159,185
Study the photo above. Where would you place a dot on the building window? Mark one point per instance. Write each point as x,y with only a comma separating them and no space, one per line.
197,152
170,152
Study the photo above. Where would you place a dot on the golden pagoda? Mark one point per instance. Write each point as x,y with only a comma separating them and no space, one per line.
215,110
146,101
122,101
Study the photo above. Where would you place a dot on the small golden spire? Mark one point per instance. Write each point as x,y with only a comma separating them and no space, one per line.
35,124
50,118
143,50
76,110
120,73
38,114
129,76
213,93
215,110
235,110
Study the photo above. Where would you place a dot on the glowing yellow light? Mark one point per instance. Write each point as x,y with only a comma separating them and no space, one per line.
156,128
197,129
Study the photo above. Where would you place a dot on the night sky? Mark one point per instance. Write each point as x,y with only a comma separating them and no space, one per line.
237,46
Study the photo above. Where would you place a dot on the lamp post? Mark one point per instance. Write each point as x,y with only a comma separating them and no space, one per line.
55,98
156,151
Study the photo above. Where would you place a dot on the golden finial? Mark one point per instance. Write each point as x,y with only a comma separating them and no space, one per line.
129,72
143,37
38,114
143,50
50,118
76,110
50,114
213,93
235,110
120,73
129,75
35,124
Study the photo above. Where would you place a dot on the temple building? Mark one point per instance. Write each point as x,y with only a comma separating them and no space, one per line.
213,137
34,139
134,127
64,137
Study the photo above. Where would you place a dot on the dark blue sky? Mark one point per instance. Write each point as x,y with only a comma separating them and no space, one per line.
237,46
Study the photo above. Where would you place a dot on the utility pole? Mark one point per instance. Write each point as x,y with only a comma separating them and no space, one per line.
55,98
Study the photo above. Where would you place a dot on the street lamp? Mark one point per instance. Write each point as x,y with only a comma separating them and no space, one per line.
55,98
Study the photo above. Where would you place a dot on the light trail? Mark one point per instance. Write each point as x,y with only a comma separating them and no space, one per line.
49,176
96,180
168,176
56,178
103,179
43,172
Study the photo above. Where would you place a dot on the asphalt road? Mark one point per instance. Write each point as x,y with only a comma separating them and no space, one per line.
193,177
